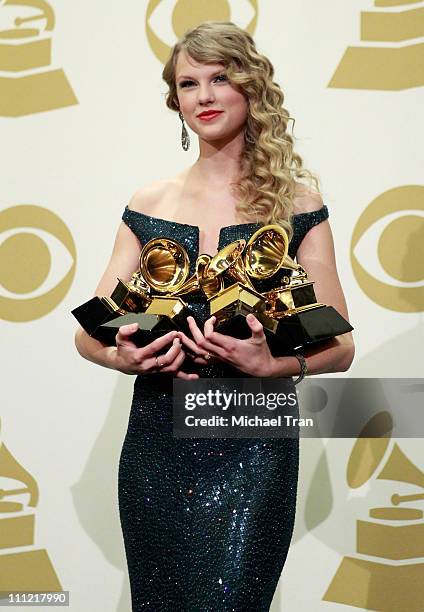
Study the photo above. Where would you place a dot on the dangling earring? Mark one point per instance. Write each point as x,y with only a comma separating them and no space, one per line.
185,138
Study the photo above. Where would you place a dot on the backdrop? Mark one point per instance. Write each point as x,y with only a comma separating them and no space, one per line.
84,124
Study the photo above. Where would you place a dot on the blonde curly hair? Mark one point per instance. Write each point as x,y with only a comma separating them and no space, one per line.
268,163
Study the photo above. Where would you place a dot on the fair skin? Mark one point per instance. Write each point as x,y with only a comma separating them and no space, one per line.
202,87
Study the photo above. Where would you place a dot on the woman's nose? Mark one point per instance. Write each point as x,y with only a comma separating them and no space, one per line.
206,93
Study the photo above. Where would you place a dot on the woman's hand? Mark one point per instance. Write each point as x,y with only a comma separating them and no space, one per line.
130,359
193,351
251,356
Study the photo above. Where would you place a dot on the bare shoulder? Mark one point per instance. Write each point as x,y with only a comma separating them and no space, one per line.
149,199
306,199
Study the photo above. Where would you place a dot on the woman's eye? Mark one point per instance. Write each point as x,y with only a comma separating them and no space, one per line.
186,83
220,77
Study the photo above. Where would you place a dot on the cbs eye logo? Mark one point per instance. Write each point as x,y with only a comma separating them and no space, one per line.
387,249
37,262
168,20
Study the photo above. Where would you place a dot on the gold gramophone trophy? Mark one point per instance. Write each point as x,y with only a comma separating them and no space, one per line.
25,54
302,321
29,569
290,314
389,574
233,303
163,269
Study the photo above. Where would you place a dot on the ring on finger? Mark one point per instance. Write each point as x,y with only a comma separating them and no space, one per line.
207,356
159,365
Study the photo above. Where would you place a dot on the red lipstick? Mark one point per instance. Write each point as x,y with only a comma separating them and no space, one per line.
208,115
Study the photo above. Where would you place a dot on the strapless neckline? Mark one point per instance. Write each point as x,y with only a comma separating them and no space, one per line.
224,227
194,230
147,226
168,221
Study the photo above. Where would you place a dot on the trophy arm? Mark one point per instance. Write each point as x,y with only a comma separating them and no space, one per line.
190,286
205,280
229,261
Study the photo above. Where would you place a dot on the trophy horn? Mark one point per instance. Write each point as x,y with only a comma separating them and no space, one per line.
266,252
230,260
164,265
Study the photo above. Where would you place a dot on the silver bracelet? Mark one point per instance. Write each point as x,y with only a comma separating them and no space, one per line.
303,368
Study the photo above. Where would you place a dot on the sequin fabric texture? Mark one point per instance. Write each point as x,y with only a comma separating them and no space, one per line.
206,523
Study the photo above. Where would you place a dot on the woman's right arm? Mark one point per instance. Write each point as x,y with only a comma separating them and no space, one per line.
123,262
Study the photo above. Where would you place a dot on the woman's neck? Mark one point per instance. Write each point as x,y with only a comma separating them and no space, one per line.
218,163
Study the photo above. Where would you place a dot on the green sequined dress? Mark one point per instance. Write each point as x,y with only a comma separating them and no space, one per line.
207,524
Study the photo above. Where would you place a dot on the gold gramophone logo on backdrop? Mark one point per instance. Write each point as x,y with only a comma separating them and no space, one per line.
393,59
28,83
189,13
388,239
37,262
29,569
388,574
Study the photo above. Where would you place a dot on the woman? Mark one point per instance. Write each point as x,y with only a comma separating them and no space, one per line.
207,523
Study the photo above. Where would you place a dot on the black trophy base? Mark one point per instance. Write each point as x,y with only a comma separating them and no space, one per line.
94,313
293,332
101,318
237,327
150,327
310,326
